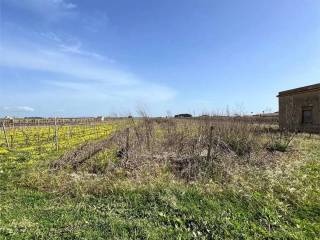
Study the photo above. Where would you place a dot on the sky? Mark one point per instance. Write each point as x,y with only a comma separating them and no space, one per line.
89,58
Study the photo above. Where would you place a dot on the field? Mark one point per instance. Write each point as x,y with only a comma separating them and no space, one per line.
159,179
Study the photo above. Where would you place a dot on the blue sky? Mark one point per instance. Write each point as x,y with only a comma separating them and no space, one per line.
81,58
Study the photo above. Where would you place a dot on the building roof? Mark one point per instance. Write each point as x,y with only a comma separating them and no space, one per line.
311,88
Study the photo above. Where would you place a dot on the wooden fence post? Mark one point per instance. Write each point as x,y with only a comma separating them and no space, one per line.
56,137
127,143
5,134
210,144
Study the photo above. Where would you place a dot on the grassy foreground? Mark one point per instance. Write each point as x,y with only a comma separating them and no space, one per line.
280,202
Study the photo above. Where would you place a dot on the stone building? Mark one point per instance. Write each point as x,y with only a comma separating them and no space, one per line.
299,109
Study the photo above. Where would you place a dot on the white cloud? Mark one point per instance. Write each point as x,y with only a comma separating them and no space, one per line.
44,4
61,62
48,9
77,49
142,92
75,72
72,45
18,109
51,36
66,71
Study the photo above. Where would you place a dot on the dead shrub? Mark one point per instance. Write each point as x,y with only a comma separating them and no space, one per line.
280,142
189,149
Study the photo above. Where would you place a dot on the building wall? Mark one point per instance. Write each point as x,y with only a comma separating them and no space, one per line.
291,107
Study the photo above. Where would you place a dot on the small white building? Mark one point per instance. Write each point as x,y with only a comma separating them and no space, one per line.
100,118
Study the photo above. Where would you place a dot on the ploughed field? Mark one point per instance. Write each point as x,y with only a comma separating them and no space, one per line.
159,179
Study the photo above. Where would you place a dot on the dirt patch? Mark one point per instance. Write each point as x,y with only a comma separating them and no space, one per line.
84,152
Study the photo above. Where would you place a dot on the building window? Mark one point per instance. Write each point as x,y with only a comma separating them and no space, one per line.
307,116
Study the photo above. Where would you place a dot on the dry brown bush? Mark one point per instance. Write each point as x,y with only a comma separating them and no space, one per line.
190,149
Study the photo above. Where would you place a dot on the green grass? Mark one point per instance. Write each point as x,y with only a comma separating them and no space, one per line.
273,203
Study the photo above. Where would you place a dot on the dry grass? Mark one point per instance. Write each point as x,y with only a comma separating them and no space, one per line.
168,179
189,149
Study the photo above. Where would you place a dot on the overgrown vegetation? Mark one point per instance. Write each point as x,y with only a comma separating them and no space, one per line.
166,179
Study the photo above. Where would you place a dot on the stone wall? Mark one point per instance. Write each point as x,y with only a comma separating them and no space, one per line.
291,107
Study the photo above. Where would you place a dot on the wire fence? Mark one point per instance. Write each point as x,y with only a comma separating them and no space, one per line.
54,135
